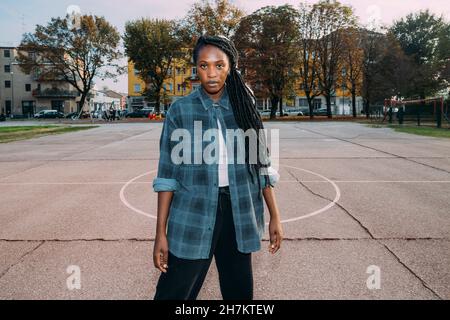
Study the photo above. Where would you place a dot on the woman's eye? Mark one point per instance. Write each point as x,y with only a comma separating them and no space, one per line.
220,66
203,66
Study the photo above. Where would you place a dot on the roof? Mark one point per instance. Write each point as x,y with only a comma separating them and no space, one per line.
112,94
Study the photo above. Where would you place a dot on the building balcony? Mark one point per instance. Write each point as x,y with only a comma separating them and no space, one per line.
55,93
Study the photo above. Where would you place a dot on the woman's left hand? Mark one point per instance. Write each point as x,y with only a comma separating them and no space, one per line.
276,235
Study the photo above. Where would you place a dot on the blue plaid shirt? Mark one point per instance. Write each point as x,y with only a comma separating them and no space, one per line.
192,212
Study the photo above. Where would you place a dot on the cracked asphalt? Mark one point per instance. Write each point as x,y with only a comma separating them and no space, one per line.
352,198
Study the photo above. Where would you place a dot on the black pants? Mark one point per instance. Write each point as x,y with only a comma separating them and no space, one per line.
184,278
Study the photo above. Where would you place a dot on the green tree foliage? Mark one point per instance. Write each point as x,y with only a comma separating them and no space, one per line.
268,44
72,50
426,39
153,45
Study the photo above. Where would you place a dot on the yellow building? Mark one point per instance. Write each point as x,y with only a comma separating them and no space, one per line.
180,81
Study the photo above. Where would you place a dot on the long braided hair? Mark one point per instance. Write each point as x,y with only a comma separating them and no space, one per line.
243,102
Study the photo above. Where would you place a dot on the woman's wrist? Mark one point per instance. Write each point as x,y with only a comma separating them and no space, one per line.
274,215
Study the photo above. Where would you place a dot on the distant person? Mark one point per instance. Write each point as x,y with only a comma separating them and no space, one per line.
390,113
111,114
400,115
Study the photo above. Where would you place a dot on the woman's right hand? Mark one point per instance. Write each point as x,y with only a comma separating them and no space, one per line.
161,253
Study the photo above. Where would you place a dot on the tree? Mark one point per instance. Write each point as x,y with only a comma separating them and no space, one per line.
425,38
352,63
221,18
334,20
372,44
267,41
153,45
308,24
396,71
72,52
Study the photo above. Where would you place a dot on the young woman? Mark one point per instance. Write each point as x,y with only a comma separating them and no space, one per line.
213,209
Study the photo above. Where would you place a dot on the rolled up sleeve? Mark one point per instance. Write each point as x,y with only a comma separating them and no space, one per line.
166,179
273,174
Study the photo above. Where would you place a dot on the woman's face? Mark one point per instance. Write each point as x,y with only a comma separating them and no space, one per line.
212,68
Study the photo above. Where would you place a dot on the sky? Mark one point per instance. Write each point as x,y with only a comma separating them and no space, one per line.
18,17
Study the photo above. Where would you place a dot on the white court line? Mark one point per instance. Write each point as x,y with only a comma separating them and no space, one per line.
126,203
280,181
331,204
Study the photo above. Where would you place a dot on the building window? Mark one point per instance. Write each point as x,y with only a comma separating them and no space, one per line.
169,71
170,87
184,71
7,68
178,71
194,71
136,72
137,88
7,84
303,102
317,103
179,87
7,54
27,87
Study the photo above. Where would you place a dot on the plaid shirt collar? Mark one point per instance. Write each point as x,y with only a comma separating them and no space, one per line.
208,102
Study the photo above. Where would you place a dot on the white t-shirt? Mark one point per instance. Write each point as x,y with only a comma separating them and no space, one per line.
223,159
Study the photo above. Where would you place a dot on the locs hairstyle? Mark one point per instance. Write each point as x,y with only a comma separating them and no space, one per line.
242,99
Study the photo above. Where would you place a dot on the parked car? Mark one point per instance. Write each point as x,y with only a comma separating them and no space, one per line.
138,113
148,109
293,112
75,115
316,112
49,114
284,113
320,112
71,115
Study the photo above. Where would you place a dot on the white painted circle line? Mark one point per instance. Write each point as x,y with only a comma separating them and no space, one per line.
126,203
309,215
314,213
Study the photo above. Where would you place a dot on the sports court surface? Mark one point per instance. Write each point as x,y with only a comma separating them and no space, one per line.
353,199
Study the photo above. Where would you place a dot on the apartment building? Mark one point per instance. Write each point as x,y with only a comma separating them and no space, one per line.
102,100
183,80
180,81
22,95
